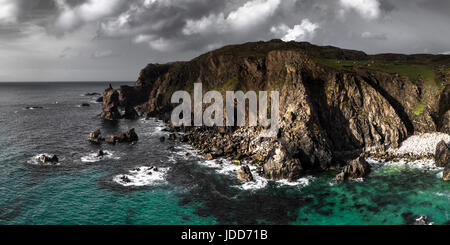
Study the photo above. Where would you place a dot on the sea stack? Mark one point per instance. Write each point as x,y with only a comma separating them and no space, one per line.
110,110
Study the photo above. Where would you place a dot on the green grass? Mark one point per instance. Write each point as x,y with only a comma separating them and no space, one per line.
415,72
419,109
230,85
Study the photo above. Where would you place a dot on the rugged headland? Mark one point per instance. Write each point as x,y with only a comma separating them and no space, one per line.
335,104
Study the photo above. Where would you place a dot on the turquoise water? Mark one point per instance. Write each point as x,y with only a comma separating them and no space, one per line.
78,192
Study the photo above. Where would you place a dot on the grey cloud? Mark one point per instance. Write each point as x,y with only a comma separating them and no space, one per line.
167,30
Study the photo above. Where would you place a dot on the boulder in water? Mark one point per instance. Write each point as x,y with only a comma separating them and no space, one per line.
125,179
446,174
244,174
96,137
128,137
442,155
101,153
422,220
358,168
48,159
85,105
111,140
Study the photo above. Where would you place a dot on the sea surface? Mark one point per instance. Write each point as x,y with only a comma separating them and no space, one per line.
186,189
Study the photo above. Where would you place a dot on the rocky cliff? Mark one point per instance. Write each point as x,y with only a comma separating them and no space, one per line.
334,103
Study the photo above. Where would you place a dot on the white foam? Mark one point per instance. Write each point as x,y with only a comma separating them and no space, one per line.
35,160
91,158
421,145
228,168
422,164
142,176
302,182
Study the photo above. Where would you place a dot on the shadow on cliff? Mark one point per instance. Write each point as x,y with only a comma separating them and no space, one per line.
399,109
332,120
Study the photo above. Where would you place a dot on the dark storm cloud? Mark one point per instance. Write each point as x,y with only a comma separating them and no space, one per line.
131,33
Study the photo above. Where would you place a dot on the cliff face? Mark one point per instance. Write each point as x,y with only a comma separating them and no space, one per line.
334,103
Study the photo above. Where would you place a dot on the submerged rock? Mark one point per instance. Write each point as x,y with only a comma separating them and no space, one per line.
96,137
48,159
446,174
85,105
111,105
442,155
244,174
358,168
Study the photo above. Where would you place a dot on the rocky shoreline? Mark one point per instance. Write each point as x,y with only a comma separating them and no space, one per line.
330,115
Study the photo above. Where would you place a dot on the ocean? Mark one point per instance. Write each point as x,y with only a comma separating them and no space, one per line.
186,189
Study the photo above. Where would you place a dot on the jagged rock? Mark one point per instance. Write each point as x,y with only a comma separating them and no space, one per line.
358,168
99,100
281,165
442,155
96,137
125,179
111,105
128,137
244,174
111,140
422,220
209,157
446,174
92,94
100,154
48,159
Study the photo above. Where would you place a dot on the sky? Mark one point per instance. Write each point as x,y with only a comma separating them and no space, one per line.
112,40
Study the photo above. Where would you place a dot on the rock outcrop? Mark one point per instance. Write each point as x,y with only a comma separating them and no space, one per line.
358,168
111,105
281,165
244,174
442,155
334,104
127,137
446,174
96,137
49,159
